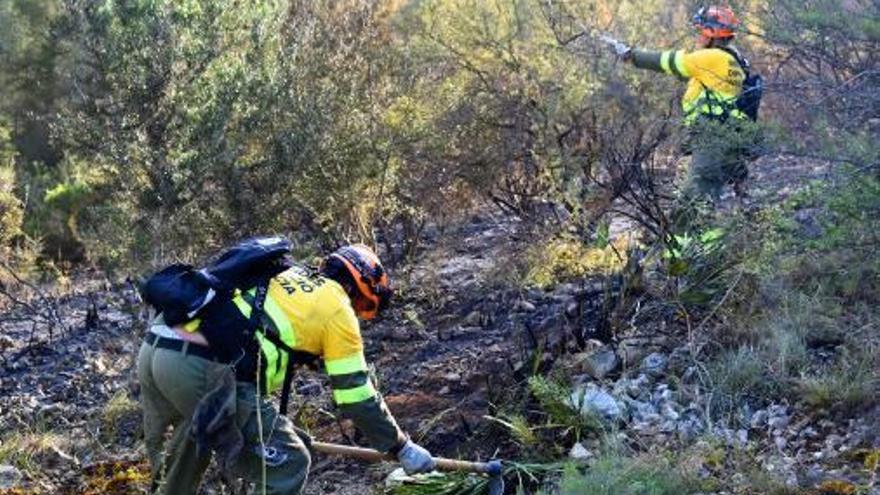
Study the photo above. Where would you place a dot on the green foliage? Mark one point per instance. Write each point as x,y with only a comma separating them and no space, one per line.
523,477
519,428
204,121
614,475
119,408
737,375
559,260
844,97
848,387
517,117
24,449
11,211
808,335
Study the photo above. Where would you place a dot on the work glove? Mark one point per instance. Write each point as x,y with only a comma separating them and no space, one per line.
622,50
415,459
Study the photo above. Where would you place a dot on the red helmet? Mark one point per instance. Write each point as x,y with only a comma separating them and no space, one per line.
370,280
716,22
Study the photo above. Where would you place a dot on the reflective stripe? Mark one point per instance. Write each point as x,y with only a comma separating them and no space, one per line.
350,364
713,104
664,62
350,380
192,326
354,395
274,358
677,65
243,306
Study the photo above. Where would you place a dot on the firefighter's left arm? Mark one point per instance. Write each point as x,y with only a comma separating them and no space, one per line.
353,391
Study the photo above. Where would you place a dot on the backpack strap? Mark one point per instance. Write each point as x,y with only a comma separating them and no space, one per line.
293,356
742,61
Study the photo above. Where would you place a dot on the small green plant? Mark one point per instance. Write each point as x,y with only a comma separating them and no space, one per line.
25,449
615,475
739,374
518,427
848,387
563,259
118,409
555,400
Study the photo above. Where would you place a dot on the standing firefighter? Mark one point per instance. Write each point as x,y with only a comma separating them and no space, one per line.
230,334
721,97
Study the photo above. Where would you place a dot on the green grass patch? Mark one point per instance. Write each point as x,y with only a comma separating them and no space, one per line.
613,475
26,449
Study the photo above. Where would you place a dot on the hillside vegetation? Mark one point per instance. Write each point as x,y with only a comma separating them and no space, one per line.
523,186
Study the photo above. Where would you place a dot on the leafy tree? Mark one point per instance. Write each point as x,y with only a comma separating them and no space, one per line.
204,121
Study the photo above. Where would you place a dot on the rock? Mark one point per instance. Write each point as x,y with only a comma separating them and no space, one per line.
668,426
523,306
810,226
473,319
654,364
690,428
452,377
638,387
780,442
662,393
396,478
669,412
778,410
642,411
592,400
809,432
571,308
833,441
742,436
493,349
10,476
758,419
579,452
399,334
600,363
778,422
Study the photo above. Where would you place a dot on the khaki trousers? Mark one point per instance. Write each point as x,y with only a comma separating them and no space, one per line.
172,383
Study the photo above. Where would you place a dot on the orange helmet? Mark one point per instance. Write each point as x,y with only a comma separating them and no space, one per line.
716,22
368,277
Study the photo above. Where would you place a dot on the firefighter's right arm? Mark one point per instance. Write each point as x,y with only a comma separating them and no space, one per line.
670,62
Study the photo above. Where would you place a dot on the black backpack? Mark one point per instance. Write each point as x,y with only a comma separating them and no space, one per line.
749,99
181,291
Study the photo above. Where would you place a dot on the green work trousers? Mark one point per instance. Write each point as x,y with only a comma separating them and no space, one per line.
713,168
721,154
172,383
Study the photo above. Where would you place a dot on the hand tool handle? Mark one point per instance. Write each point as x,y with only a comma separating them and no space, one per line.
370,455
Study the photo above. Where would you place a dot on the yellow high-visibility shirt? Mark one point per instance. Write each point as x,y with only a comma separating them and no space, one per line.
319,310
713,74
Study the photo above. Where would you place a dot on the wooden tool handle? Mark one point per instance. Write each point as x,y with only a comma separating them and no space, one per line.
371,455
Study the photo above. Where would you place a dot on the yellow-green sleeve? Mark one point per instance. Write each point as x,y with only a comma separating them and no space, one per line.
670,62
353,391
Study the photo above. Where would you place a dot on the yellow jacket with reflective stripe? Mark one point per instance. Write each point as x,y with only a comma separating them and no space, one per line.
715,79
313,314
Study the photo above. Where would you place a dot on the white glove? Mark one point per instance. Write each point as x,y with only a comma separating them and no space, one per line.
415,459
621,49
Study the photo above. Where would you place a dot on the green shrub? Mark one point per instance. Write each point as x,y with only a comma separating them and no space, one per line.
554,397
739,374
559,260
613,475
848,387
